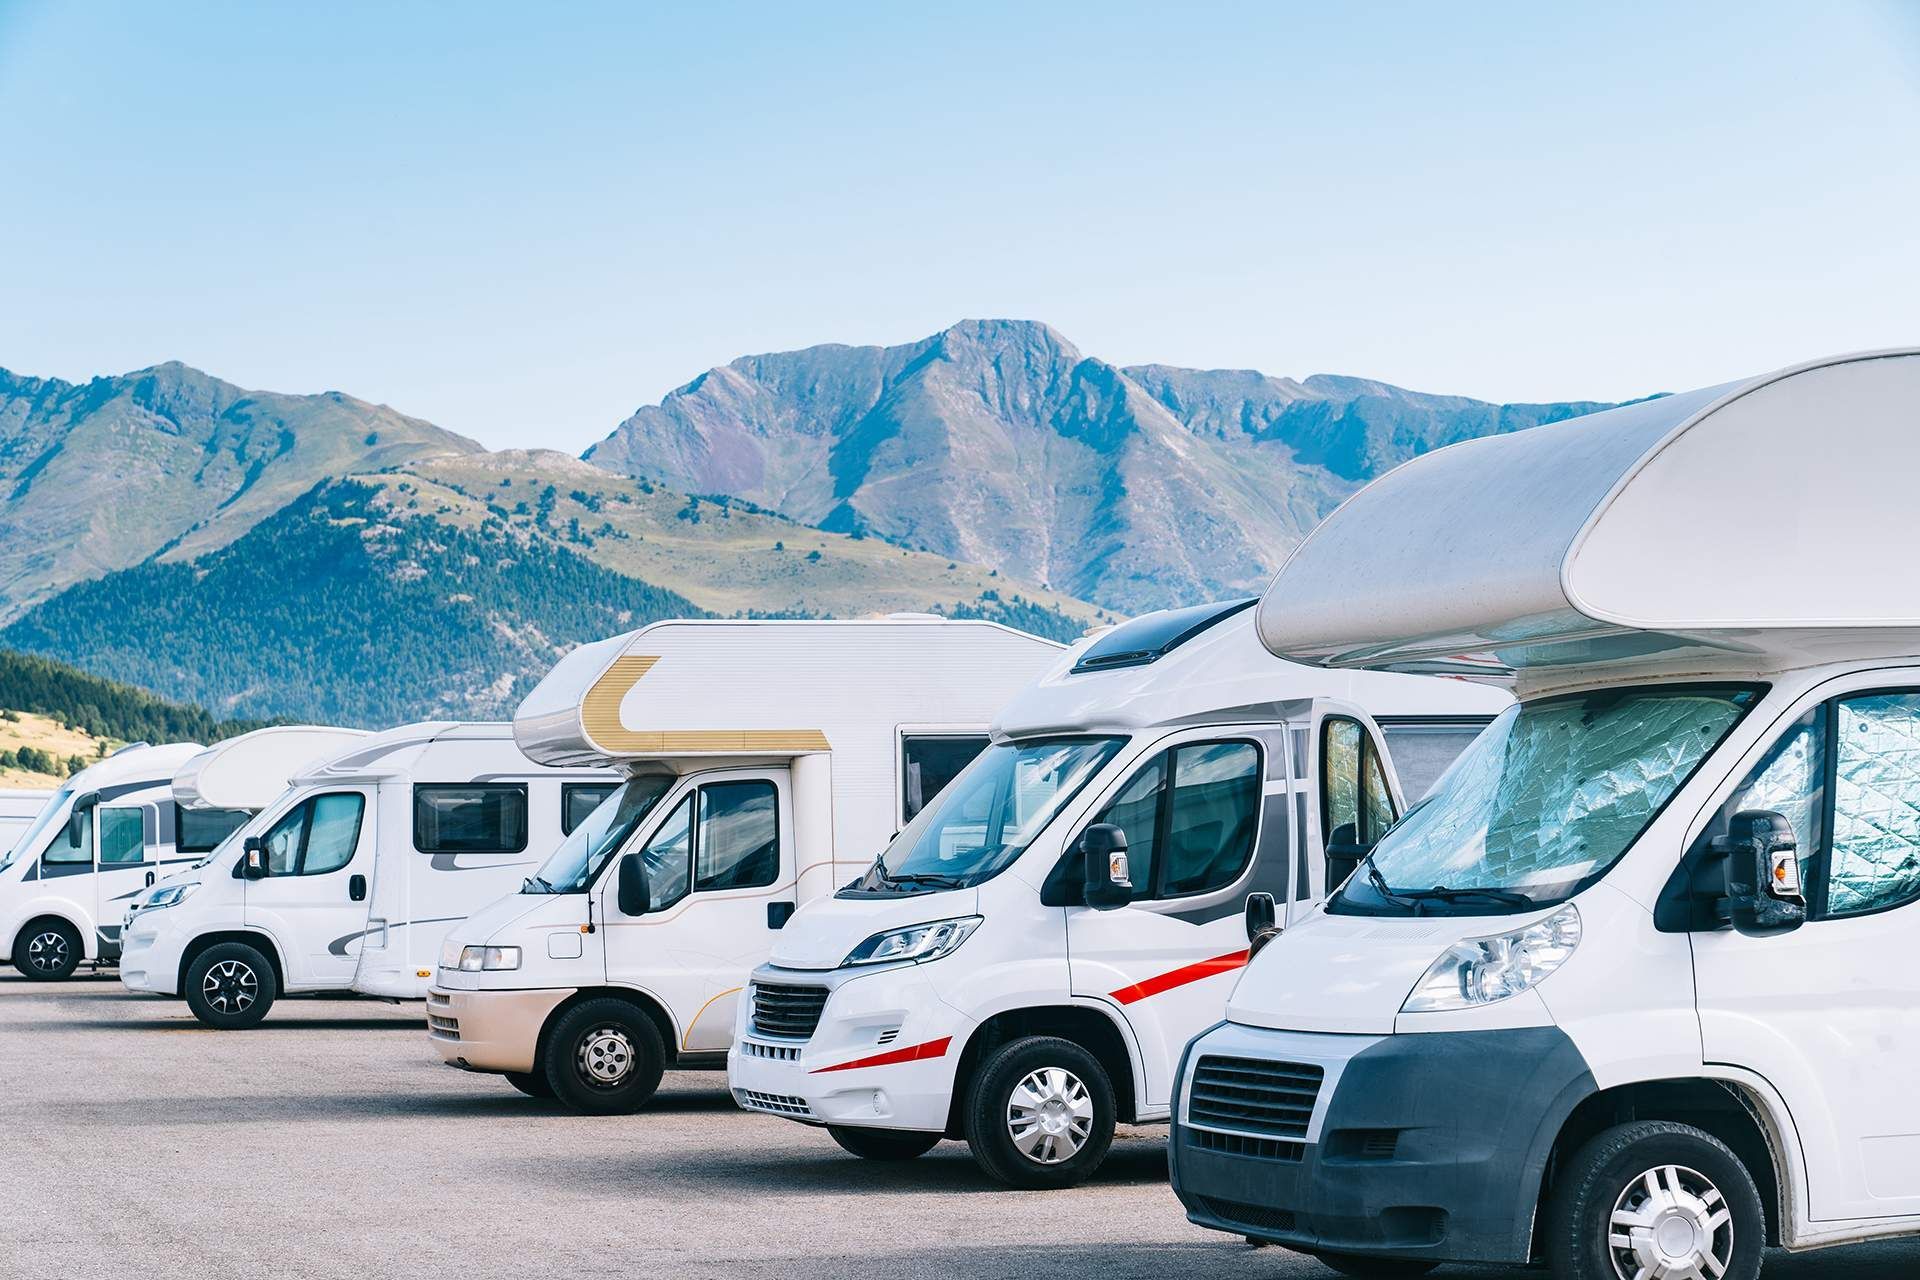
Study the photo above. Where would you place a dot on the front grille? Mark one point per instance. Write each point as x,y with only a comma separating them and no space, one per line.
1254,1095
777,1052
780,1104
443,1028
1240,1144
792,1012
1249,1215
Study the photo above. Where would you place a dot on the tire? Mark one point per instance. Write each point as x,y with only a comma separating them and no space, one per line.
1354,1264
1054,1094
884,1144
1654,1172
47,951
531,1083
230,986
604,1058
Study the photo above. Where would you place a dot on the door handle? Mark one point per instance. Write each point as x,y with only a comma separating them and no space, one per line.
778,913
149,879
357,888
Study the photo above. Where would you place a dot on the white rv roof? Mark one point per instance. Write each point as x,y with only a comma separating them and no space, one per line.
250,771
135,766
1216,675
448,750
1763,523
769,688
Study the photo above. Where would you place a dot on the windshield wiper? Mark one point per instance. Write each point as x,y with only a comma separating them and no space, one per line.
1379,882
938,880
531,881
1440,892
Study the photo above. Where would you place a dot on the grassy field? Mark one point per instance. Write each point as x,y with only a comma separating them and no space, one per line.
23,729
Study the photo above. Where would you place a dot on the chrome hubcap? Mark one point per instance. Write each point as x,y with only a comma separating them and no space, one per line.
231,986
1050,1115
48,952
1671,1223
606,1056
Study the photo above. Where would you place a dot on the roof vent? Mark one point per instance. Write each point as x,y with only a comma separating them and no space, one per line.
1153,636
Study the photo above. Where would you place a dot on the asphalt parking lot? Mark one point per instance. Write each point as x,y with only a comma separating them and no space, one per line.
330,1142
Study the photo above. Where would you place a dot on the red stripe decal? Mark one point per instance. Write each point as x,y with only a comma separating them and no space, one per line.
1181,977
912,1053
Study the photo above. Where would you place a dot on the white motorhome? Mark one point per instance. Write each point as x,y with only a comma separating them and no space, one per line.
18,808
765,762
1633,993
350,879
98,841
1024,962
217,791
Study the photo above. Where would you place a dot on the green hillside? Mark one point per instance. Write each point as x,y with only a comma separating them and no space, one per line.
103,709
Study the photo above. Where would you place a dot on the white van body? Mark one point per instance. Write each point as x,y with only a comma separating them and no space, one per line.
372,855
767,762
65,884
993,947
1696,1029
218,791
19,806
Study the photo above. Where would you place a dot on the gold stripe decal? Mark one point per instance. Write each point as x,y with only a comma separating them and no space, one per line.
600,719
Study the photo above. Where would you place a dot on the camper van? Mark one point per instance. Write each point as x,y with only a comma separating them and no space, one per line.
217,791
1023,963
764,764
18,808
102,838
1634,992
350,879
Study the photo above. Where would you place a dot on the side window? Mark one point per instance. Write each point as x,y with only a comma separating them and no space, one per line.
929,762
202,830
739,842
1791,780
1875,858
1340,781
1423,751
667,855
1136,811
578,800
72,840
1376,798
481,817
283,841
122,836
1214,809
333,832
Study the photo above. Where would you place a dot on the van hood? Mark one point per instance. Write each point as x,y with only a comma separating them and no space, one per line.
1345,974
486,924
820,934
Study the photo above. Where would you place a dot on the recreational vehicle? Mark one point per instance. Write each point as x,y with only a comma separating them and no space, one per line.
350,879
764,764
99,840
1633,993
1023,963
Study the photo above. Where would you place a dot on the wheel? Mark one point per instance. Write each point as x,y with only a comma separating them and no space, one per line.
47,950
1354,1264
605,1058
1655,1200
884,1144
531,1083
230,986
1039,1113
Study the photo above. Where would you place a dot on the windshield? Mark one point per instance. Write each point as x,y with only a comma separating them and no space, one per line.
987,815
54,811
1544,802
578,860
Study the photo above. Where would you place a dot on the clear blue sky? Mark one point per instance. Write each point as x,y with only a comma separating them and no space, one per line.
523,221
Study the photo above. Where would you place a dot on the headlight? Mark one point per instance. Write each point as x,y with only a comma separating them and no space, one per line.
1485,970
916,942
171,895
474,959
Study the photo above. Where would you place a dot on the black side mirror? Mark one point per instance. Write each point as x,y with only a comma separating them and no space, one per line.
1104,847
1263,922
1345,853
1763,874
253,863
635,895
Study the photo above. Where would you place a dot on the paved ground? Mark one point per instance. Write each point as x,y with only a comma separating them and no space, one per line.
331,1143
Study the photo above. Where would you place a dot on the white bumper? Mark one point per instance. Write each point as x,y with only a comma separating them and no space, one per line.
883,1054
150,953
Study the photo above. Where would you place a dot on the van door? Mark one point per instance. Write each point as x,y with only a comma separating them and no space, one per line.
721,871
1830,1013
1208,817
313,900
127,844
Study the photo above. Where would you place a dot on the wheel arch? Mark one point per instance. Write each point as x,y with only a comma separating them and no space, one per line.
262,942
89,942
655,1011
1722,1108
1088,1025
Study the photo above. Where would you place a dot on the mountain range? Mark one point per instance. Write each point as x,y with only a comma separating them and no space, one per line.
317,556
